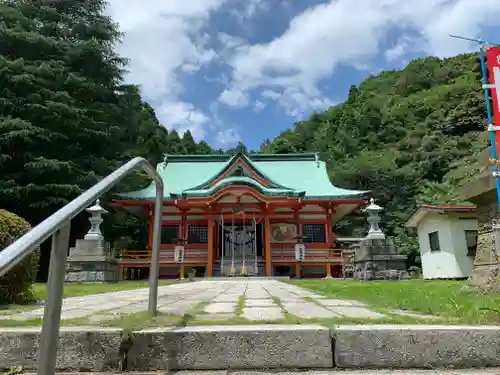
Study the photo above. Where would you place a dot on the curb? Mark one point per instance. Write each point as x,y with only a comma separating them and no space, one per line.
258,347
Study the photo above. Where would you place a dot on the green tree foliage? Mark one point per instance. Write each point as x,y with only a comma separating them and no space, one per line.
409,136
15,286
66,117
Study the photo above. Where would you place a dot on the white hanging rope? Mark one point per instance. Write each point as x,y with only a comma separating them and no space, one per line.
223,239
255,244
232,247
243,247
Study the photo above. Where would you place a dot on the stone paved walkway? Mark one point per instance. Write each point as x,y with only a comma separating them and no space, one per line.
254,300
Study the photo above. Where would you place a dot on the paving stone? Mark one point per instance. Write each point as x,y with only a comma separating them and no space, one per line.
102,318
257,294
356,312
220,307
259,302
308,310
263,313
131,309
216,316
178,308
226,298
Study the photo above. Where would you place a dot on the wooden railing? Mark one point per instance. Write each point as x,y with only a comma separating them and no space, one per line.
133,258
281,253
285,253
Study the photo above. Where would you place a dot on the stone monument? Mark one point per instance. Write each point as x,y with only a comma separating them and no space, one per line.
91,260
376,257
481,191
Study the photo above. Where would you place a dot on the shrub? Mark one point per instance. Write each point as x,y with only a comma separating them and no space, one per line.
15,286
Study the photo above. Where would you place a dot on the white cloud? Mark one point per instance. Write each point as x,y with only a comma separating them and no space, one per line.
401,47
338,32
234,98
227,138
270,94
163,40
230,41
183,116
250,8
259,106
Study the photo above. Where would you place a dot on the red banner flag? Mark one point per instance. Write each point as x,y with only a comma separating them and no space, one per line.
493,62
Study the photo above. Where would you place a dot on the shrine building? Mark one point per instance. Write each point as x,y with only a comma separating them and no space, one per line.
256,214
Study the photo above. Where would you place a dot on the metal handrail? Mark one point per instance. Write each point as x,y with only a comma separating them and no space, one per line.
57,225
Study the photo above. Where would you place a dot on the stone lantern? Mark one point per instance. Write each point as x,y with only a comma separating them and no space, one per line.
96,212
373,219
91,260
376,257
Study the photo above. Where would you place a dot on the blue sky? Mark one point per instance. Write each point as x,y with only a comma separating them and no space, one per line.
232,70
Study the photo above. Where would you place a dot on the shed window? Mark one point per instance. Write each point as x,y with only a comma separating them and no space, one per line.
314,233
169,234
434,241
471,240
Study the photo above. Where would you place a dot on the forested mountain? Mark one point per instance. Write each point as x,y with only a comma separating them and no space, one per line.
410,136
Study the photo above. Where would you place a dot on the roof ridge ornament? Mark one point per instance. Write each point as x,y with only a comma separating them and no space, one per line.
316,159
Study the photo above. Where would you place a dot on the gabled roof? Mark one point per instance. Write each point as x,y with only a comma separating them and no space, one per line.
285,175
246,164
423,209
239,181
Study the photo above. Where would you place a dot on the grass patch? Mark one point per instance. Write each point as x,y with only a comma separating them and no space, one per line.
240,305
37,322
439,298
142,320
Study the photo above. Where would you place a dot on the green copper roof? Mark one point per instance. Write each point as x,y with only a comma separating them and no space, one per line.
295,175
250,163
239,181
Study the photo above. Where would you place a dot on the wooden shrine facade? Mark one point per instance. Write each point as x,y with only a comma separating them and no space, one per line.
237,224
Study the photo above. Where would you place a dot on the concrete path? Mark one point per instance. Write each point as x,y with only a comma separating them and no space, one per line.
254,300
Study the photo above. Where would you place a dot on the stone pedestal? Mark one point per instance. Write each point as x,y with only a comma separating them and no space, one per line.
485,275
91,261
377,259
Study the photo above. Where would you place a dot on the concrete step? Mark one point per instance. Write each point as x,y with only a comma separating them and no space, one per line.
259,347
484,371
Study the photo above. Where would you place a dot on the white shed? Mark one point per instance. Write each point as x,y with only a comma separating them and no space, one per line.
447,236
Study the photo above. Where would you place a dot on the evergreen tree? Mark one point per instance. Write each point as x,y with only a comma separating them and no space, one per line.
59,77
66,119
189,145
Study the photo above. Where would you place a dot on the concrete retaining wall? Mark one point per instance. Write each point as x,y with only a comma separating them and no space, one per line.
259,346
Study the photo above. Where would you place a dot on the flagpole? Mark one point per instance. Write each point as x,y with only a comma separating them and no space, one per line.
492,128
